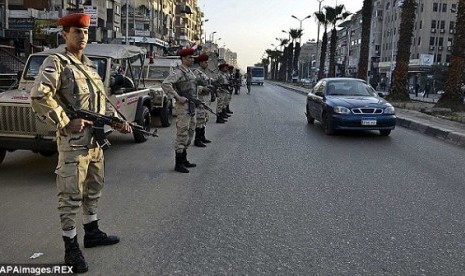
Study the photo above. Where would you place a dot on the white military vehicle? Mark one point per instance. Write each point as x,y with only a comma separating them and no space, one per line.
155,71
21,129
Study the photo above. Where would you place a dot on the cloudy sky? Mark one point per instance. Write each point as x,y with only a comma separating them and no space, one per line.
249,27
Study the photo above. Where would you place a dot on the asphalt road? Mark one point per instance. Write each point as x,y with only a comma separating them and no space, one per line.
270,196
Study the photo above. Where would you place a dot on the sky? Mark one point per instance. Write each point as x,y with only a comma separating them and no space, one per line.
249,27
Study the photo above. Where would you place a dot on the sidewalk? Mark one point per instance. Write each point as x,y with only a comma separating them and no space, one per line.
446,130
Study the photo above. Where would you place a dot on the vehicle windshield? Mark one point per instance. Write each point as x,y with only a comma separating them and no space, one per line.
349,88
257,72
35,62
155,73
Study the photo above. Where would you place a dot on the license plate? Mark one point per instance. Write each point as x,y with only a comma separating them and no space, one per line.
368,122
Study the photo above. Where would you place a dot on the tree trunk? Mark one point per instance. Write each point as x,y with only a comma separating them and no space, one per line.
332,54
296,58
453,97
365,44
290,55
324,45
399,88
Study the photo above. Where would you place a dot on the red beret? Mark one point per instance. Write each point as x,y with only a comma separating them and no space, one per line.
223,65
230,67
80,20
186,52
202,57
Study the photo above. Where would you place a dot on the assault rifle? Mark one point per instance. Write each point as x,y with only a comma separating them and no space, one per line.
100,120
196,102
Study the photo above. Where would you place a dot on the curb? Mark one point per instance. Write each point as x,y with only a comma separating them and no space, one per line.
444,134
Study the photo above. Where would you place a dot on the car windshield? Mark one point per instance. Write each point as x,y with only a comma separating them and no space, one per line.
36,61
349,88
158,73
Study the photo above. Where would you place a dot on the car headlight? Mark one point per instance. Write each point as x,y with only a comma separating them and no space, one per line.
389,110
341,110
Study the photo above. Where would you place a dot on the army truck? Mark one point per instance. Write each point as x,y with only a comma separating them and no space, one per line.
153,73
21,129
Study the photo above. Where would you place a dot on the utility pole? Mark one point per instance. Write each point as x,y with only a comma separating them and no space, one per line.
127,22
317,39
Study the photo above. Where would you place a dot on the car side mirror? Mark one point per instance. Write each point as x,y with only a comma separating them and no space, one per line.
319,94
381,94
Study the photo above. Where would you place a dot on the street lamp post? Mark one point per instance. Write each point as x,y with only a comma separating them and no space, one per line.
300,21
206,20
317,38
212,36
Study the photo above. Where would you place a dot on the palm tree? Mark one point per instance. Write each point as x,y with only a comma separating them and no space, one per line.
452,97
365,44
334,15
295,34
265,62
284,59
321,18
399,83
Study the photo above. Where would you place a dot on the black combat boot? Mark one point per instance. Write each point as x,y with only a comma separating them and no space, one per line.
94,237
73,255
225,114
228,110
179,165
204,140
219,120
198,138
187,164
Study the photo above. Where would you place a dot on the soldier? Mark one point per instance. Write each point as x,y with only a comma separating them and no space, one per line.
222,82
203,94
180,84
231,89
67,82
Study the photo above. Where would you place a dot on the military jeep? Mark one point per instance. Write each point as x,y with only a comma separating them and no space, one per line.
153,74
21,129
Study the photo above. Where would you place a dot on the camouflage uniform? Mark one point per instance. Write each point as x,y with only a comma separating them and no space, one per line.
203,94
59,88
223,82
182,79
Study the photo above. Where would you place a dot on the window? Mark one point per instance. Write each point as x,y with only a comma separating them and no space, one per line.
453,8
419,40
443,25
433,24
444,7
438,58
441,41
447,58
449,41
421,24
435,7
431,41
452,25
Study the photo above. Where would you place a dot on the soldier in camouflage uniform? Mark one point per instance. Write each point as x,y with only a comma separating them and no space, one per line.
222,82
180,84
68,82
203,94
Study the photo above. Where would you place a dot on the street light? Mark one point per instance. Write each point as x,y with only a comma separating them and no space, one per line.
318,36
206,20
287,34
212,36
300,21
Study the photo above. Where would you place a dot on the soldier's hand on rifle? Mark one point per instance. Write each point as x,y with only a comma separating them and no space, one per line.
181,99
123,127
77,125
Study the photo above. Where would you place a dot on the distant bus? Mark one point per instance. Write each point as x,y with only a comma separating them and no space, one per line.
258,74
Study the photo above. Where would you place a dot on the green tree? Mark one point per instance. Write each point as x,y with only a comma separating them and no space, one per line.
399,83
321,18
365,43
452,97
265,62
334,15
295,34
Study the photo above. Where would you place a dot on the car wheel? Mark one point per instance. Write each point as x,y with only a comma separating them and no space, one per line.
47,153
166,114
385,132
328,129
310,119
2,155
144,121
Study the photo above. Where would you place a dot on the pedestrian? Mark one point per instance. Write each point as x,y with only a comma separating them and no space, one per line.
383,85
425,94
222,82
249,80
417,88
67,82
203,94
237,82
182,81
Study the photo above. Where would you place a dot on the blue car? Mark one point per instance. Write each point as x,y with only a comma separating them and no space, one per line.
349,104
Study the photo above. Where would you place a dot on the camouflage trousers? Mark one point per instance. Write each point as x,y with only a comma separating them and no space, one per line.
221,100
80,179
201,114
185,127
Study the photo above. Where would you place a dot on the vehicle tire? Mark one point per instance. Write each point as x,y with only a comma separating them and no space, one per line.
310,119
385,132
47,153
166,114
327,125
145,122
2,155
